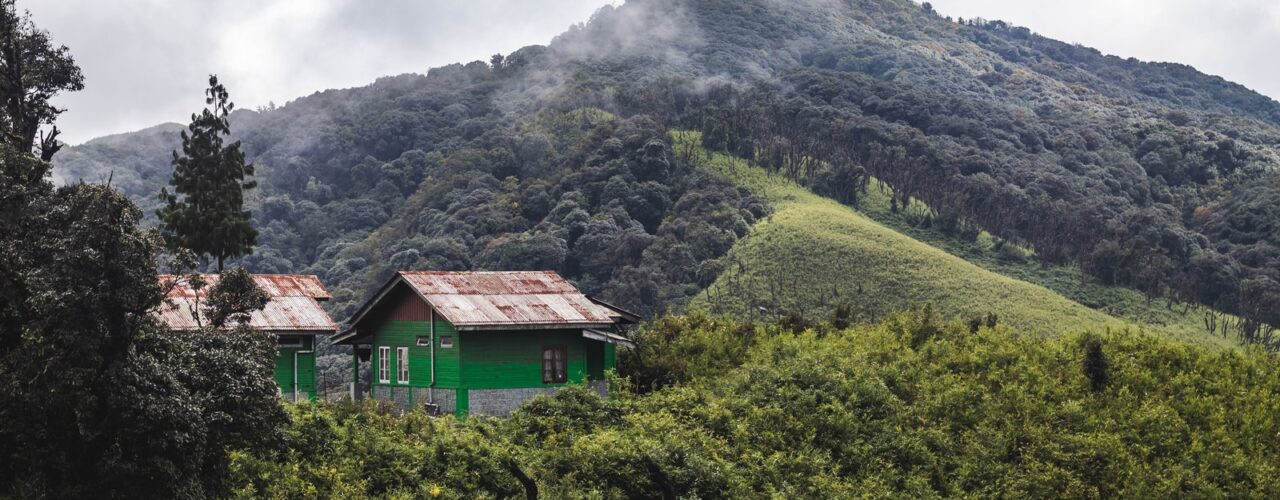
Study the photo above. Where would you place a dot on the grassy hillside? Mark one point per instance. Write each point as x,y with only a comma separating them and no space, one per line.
1178,320
813,254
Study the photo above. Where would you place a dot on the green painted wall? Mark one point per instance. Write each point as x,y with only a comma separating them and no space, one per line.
395,334
306,370
509,360
485,360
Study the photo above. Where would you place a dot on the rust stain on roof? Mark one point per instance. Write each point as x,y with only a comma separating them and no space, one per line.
294,304
506,299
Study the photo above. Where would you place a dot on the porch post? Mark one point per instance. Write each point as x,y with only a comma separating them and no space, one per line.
355,372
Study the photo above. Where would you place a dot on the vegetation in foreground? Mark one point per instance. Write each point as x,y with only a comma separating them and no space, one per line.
910,406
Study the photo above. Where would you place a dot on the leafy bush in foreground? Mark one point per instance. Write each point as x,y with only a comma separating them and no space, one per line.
913,406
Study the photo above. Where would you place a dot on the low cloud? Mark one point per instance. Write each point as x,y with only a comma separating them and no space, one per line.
147,61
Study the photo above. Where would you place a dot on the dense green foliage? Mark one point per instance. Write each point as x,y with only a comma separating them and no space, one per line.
205,212
913,406
98,398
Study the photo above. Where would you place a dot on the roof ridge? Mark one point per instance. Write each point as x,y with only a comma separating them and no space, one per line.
475,272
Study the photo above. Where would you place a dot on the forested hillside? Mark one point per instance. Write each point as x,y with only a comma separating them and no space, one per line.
1149,176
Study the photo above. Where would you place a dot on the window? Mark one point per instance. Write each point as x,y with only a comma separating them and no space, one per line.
424,342
384,364
446,342
402,365
289,342
554,359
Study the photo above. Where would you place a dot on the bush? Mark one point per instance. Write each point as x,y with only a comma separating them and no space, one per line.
915,406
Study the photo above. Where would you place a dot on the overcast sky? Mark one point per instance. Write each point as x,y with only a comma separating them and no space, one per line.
147,61
1236,39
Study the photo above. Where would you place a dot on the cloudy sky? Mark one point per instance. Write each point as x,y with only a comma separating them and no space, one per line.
146,61
1236,39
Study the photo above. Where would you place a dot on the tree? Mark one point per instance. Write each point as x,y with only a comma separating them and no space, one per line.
205,212
233,298
1095,366
32,71
97,398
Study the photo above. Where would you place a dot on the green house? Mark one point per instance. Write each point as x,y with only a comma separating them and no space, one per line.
293,315
481,342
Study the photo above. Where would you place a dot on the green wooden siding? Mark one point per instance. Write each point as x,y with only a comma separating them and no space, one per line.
595,360
462,403
395,334
485,360
306,370
511,360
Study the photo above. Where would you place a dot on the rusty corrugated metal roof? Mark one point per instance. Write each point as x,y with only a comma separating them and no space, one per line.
293,306
506,299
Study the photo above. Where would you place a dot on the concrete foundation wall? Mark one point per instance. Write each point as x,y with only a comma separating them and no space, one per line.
407,398
501,402
445,399
491,402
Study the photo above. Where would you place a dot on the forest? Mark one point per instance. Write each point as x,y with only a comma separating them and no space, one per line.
1142,175
596,156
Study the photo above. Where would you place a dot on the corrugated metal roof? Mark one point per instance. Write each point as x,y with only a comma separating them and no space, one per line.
275,285
506,299
293,306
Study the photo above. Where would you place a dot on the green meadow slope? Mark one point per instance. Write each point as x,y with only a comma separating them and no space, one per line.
813,254
1181,321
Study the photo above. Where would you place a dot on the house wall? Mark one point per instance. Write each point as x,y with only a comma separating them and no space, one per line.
398,333
503,370
415,393
513,359
306,370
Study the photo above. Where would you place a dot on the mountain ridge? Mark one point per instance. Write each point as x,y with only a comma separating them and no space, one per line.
1094,161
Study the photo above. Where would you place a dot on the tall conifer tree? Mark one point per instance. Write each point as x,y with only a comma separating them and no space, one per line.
205,212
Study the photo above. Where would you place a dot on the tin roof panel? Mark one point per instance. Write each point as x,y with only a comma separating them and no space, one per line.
478,299
293,304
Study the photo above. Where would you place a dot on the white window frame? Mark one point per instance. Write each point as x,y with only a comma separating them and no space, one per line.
290,342
402,365
384,364
446,342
